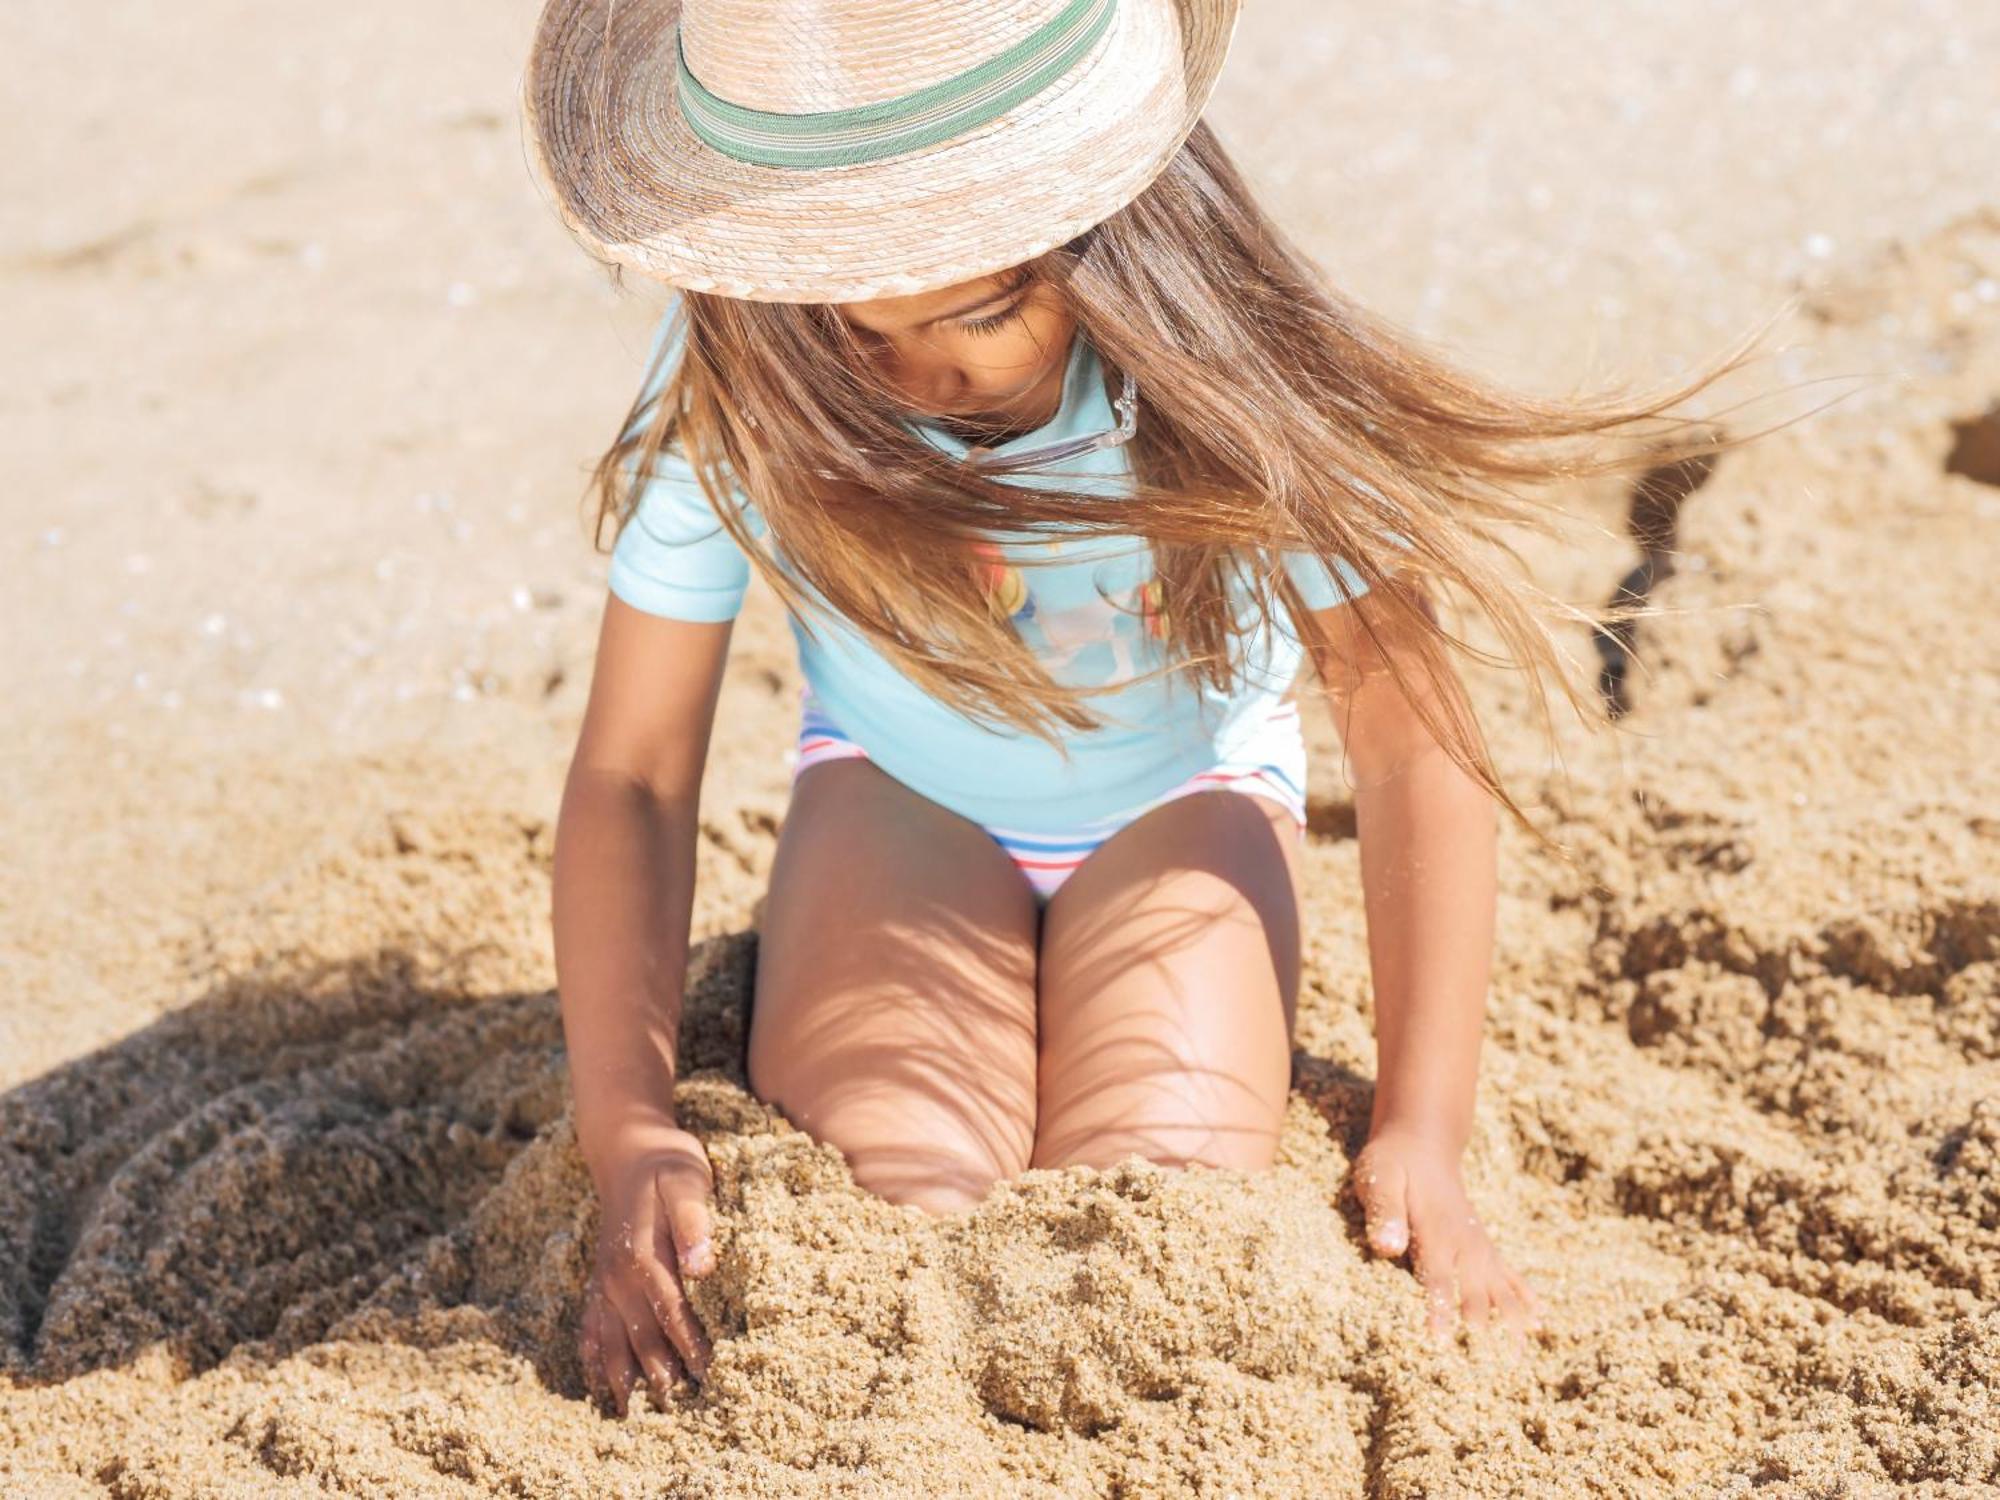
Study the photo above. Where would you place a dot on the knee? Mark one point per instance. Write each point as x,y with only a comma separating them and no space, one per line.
1251,1150
1170,1117
903,1148
939,1182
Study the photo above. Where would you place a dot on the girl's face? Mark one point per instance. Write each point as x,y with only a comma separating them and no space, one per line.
986,355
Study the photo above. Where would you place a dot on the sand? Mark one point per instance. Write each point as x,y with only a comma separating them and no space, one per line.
303,380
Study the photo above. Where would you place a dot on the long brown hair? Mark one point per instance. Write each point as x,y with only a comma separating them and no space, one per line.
1275,415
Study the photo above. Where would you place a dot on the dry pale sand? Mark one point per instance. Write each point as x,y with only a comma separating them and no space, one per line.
301,381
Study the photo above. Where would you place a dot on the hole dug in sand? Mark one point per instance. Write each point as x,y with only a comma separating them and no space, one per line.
1653,521
1975,447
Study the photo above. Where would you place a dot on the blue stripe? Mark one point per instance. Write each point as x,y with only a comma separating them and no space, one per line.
1047,846
1290,784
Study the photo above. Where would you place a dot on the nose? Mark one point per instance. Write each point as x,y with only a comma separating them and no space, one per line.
933,384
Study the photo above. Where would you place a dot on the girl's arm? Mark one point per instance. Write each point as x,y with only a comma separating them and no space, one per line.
624,888
1428,836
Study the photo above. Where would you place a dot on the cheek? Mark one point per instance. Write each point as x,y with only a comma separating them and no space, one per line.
1027,350
1006,363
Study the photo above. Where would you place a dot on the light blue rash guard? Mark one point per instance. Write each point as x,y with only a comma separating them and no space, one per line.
1081,618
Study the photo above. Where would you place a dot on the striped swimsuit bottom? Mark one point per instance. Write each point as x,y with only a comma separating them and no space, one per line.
1271,766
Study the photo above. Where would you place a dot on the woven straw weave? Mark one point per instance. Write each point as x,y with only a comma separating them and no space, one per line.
636,185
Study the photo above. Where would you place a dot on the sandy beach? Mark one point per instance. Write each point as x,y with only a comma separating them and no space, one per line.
303,383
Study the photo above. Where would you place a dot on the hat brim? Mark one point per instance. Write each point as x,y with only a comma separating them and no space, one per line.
637,186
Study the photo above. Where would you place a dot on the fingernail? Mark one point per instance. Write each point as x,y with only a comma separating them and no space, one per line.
700,1257
1392,1234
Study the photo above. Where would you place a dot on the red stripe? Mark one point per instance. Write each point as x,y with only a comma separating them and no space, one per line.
1048,864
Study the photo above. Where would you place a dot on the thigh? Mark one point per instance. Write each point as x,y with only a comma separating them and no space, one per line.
894,1007
1168,981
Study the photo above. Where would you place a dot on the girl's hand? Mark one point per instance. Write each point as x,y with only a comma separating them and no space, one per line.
637,1323
1413,1198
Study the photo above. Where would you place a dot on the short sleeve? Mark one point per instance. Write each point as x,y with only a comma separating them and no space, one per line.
1320,586
674,557
1323,587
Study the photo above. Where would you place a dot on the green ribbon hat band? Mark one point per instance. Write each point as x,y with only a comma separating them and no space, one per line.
870,132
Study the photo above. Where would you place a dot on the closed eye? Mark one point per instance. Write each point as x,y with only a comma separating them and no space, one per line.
993,322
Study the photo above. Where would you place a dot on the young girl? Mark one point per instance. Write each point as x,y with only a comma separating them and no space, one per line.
1063,462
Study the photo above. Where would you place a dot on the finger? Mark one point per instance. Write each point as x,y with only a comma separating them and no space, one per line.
644,1343
1437,1310
685,1199
621,1371
1531,1304
590,1350
656,1359
1384,1206
1434,1274
1509,1306
663,1370
643,1247
644,1255
1476,1292
669,1303
693,1234
605,1339
664,1363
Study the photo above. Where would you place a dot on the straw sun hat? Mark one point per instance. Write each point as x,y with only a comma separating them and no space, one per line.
842,150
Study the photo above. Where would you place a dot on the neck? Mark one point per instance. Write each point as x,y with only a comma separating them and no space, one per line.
989,434
1000,428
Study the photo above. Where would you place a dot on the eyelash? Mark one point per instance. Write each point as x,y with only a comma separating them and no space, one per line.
994,322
